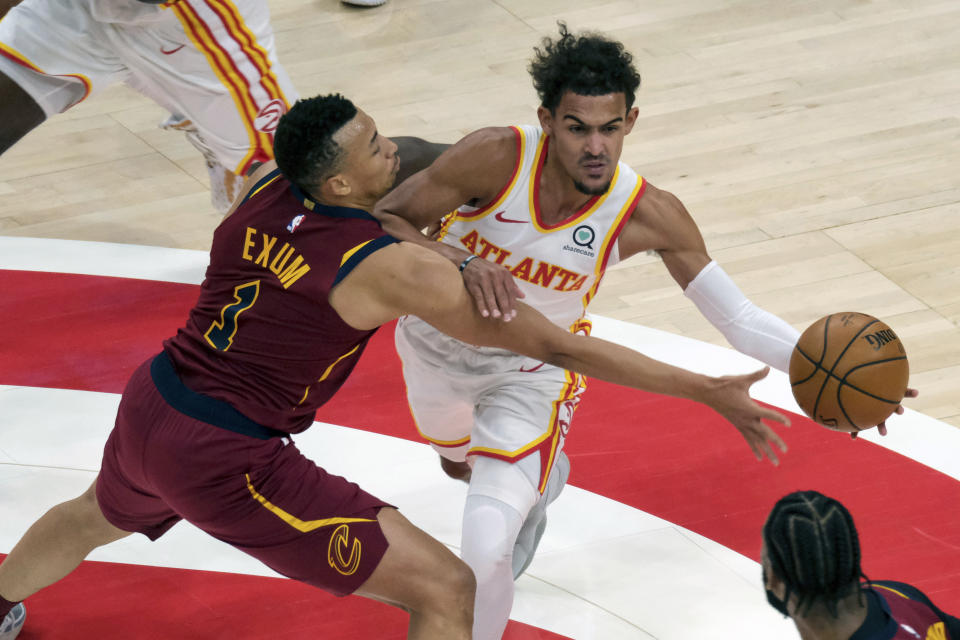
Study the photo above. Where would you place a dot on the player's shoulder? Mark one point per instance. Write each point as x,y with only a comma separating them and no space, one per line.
495,144
659,206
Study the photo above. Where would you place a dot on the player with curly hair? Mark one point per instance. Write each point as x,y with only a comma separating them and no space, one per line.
540,212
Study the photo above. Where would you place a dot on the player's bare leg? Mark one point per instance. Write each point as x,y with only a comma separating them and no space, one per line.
456,470
19,113
6,5
420,575
55,544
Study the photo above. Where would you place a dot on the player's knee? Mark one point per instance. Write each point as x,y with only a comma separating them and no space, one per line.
490,530
463,587
450,594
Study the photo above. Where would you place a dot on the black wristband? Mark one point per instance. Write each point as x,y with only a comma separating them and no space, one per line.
466,261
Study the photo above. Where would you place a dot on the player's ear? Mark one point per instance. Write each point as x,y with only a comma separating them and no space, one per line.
337,185
630,120
546,119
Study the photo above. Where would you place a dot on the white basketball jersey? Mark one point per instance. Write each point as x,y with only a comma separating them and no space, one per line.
558,267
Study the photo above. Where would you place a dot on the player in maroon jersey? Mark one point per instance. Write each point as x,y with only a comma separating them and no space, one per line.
300,276
811,572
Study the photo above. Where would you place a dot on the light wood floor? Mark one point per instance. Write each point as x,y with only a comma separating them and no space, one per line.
815,142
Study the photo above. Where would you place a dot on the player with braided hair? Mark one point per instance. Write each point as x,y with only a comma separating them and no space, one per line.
812,573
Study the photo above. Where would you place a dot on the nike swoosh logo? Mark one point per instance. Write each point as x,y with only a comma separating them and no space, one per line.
500,217
171,51
533,369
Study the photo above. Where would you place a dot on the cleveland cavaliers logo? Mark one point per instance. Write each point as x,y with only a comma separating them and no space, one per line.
343,555
269,116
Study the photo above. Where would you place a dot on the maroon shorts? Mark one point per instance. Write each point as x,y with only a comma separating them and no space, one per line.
255,492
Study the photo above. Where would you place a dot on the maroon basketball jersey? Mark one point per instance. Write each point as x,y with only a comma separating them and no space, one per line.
908,616
262,337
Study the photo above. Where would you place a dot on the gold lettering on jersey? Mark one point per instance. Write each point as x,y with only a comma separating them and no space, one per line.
268,242
534,272
248,242
284,262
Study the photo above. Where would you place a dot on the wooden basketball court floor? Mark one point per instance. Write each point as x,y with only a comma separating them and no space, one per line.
816,144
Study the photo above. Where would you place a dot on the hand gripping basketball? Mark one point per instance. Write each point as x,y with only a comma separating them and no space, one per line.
849,372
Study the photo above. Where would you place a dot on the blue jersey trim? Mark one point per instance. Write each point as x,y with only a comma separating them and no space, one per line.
201,407
260,184
328,210
361,253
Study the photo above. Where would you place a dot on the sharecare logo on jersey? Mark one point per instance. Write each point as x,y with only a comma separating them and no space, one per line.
583,237
295,223
269,116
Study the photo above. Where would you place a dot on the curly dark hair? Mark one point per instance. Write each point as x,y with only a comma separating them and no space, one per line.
587,64
303,144
813,547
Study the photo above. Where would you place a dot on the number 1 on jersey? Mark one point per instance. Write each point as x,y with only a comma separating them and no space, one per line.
220,334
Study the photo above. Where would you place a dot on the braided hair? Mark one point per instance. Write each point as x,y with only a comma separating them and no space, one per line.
812,545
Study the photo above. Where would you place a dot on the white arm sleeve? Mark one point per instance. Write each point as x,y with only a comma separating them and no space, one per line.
747,327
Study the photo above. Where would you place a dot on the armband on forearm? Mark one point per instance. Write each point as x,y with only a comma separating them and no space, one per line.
748,328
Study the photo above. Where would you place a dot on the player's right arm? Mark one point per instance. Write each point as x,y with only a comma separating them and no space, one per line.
473,171
404,278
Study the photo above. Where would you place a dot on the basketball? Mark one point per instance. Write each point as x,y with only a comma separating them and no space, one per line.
849,371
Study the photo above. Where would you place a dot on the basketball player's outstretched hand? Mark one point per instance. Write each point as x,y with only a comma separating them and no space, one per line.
734,403
493,289
882,427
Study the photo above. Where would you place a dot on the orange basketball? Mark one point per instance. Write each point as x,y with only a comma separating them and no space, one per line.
849,371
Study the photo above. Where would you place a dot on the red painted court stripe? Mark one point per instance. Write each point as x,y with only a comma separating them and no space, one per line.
158,603
671,458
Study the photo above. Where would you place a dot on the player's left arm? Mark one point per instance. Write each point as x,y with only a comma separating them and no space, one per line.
661,222
416,154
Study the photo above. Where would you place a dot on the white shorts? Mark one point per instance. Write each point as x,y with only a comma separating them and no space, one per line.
476,401
211,61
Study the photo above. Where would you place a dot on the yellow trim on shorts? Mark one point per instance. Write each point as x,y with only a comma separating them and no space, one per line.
222,66
304,526
251,46
17,57
569,391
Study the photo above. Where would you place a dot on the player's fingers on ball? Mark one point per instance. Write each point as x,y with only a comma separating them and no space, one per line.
911,393
882,428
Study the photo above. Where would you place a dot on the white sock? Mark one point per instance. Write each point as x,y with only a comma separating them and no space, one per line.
490,529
